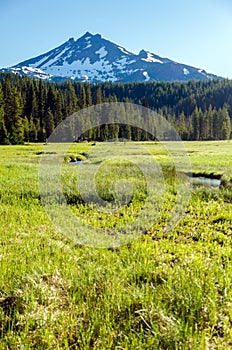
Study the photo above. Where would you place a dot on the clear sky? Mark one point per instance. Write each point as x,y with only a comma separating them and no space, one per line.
194,32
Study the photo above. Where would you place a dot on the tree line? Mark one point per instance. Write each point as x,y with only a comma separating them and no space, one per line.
31,109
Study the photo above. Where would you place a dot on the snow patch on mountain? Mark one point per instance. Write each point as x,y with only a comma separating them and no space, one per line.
32,72
88,46
122,62
186,71
147,78
102,52
124,50
54,60
151,58
40,62
83,67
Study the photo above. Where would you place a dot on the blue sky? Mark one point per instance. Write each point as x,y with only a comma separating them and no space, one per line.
197,33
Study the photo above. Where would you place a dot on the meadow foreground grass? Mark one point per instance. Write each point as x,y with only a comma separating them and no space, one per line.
164,290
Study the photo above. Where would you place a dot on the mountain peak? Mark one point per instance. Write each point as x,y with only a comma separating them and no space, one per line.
94,59
97,36
71,40
86,35
143,53
89,35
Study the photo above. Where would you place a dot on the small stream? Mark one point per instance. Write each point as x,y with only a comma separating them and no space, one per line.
206,181
78,162
196,180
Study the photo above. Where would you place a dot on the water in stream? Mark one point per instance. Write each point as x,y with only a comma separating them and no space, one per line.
206,181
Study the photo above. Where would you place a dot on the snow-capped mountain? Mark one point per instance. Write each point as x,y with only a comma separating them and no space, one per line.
94,59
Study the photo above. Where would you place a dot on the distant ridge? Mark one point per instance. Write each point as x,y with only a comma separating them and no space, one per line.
92,58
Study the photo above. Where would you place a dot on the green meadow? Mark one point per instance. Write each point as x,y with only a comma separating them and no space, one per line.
147,280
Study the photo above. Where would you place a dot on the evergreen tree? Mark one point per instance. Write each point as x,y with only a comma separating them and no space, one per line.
49,123
225,123
31,102
26,135
98,96
3,131
82,98
58,107
33,130
182,127
89,101
217,124
208,124
13,112
41,98
201,124
70,100
195,120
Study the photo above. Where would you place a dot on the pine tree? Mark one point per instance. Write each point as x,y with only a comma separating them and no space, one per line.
195,125
217,124
89,101
104,132
98,96
58,106
225,123
41,98
31,102
33,131
201,124
82,99
208,124
13,113
3,131
26,135
49,123
70,100
17,136
51,98
182,127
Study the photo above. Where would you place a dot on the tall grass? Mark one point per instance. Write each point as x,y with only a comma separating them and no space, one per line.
164,290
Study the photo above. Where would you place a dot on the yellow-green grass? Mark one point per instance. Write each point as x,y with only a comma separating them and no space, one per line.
165,290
